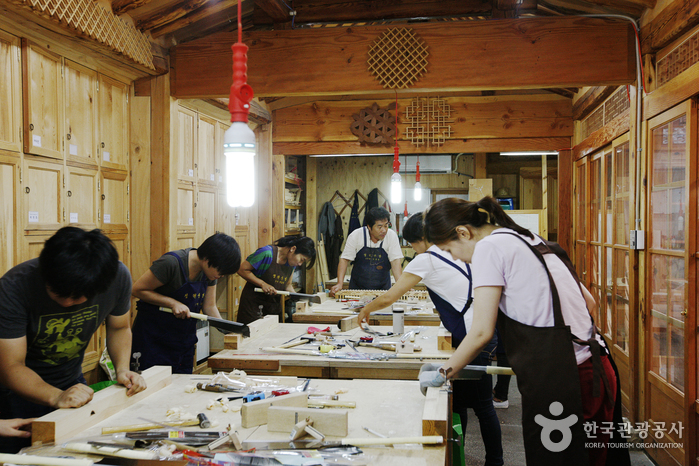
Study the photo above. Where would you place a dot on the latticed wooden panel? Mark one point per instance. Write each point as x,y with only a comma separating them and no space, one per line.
91,20
374,125
428,121
682,57
398,58
412,295
611,108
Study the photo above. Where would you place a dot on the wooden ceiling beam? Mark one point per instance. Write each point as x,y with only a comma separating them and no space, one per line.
172,12
193,17
591,100
277,10
676,19
332,11
328,61
119,7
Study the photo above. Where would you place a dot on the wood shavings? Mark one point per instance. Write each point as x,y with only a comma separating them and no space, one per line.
340,391
190,388
211,404
166,450
178,413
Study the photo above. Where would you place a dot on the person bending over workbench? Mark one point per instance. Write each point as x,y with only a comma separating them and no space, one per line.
448,282
49,309
270,268
376,252
185,282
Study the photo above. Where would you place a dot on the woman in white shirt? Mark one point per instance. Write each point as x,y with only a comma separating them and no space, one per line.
446,279
529,287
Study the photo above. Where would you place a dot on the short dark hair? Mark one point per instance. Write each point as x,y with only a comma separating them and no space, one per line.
222,252
304,246
75,263
374,214
413,230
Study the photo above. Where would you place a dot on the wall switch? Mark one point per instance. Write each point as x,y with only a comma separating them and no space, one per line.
637,239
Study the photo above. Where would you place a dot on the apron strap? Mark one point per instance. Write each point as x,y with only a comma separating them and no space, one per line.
179,259
466,273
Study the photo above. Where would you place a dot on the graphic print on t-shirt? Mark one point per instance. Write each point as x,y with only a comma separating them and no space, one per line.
62,336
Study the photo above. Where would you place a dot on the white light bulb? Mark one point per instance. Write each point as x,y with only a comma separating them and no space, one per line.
417,194
239,151
396,188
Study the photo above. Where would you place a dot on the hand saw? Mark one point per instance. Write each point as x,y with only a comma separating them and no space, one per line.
227,325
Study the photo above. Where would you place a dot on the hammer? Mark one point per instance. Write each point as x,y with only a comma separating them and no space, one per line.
201,421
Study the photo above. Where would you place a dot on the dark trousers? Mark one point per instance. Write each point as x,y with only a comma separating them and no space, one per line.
478,395
14,406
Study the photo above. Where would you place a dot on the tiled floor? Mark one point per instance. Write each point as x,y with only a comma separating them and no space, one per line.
513,448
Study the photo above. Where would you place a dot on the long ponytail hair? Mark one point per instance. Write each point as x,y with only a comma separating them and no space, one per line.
442,218
304,246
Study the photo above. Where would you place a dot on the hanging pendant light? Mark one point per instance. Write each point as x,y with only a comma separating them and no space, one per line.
417,193
396,185
239,145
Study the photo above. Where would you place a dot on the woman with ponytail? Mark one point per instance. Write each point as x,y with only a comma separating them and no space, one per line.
529,288
270,268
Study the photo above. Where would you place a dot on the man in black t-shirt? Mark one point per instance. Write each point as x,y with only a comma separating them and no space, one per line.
49,309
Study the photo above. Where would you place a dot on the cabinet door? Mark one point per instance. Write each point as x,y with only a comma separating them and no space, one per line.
220,160
122,245
206,151
41,192
43,101
82,197
225,218
9,187
32,244
81,113
10,93
113,123
185,143
206,213
115,200
185,207
94,349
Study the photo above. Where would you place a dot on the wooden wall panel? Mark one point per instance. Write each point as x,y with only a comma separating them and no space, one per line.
81,113
9,231
10,93
140,161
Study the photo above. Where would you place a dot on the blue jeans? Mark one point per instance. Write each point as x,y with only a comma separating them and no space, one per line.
478,395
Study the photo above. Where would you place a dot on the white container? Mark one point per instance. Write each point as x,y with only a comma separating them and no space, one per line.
398,320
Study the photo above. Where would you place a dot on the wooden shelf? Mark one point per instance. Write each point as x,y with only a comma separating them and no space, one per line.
295,207
293,231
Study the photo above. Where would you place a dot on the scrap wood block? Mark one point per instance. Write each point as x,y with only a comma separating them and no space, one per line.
444,340
434,414
63,424
333,422
348,323
255,413
257,328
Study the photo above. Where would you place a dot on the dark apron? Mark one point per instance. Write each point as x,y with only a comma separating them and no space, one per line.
547,372
453,319
372,269
163,339
276,275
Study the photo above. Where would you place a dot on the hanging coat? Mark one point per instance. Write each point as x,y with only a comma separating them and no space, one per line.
333,248
372,200
354,216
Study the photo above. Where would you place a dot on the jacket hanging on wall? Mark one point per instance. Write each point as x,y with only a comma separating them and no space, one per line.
372,200
354,216
333,248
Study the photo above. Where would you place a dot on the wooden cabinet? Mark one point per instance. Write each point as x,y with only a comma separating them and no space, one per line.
43,101
32,244
185,143
220,159
9,231
42,195
205,208
185,207
206,151
80,113
10,93
82,190
115,200
113,109
294,196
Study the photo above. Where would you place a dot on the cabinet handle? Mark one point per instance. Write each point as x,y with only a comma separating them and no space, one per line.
68,136
70,193
26,190
31,127
102,145
103,197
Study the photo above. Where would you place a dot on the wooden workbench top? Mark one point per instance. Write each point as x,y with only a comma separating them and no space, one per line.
330,311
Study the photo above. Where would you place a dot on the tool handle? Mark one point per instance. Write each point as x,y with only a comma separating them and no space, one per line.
285,293
425,440
495,370
331,404
193,315
42,460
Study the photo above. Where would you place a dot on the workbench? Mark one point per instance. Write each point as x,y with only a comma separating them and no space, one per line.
330,311
391,407
251,359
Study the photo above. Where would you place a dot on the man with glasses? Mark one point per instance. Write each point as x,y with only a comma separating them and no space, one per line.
375,251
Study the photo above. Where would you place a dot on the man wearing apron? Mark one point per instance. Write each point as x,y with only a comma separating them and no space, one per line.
376,252
185,282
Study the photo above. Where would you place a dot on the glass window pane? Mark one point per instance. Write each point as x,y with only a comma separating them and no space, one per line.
621,304
581,202
677,148
596,199
596,283
581,258
608,293
622,194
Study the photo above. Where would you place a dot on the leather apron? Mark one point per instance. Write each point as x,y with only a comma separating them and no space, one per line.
276,275
372,269
163,339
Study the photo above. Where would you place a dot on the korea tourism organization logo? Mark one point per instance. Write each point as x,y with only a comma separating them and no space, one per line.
549,426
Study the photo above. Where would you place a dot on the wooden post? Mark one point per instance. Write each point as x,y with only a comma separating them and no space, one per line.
161,188
544,197
311,220
480,162
565,200
264,185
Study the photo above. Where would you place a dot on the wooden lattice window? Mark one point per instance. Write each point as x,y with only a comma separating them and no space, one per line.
398,58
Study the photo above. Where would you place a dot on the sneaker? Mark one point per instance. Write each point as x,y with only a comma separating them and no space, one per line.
500,404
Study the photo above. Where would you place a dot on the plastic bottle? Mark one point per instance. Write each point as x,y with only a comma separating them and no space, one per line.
398,320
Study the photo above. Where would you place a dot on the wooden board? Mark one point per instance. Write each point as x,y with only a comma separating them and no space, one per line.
348,323
255,413
63,424
435,414
331,311
444,340
257,328
328,421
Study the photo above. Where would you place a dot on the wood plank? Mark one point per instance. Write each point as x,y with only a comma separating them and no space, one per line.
603,136
193,17
348,323
674,20
119,7
434,414
278,61
161,176
673,92
591,100
255,413
277,10
444,340
265,182
63,424
453,146
328,421
263,326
